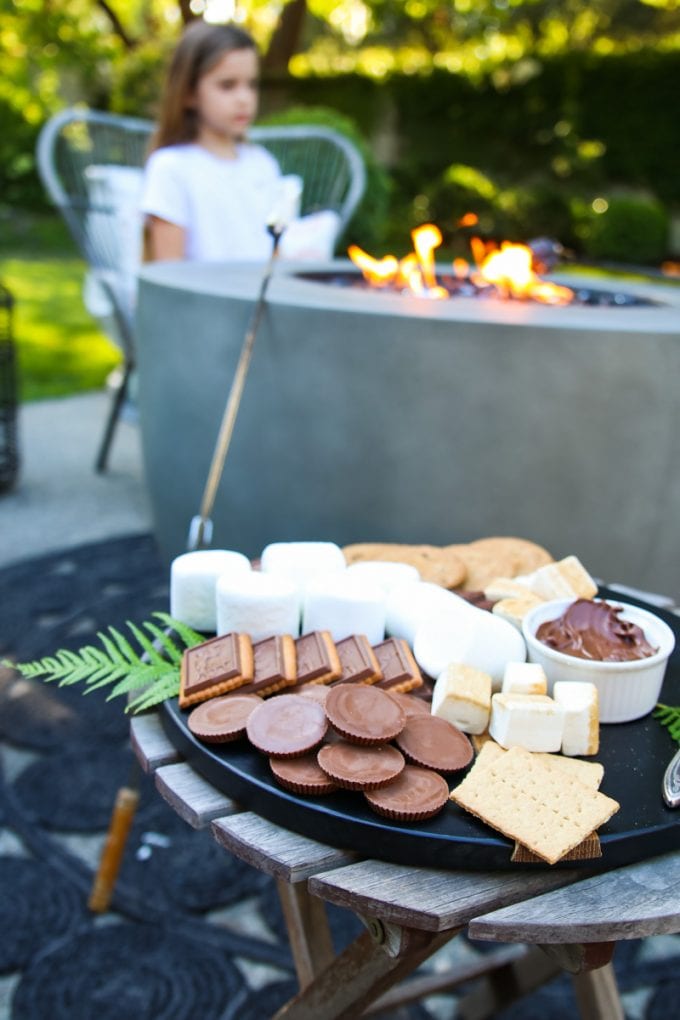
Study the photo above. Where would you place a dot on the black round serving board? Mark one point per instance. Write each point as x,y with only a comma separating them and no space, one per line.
635,756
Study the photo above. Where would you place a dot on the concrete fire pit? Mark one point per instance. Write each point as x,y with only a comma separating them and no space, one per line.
370,416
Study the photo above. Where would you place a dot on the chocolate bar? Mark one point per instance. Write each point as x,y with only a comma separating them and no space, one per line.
214,667
274,665
317,658
400,670
358,661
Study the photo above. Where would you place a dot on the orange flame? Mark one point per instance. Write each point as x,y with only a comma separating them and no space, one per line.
378,272
510,269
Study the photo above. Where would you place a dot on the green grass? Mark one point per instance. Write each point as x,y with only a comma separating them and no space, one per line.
60,349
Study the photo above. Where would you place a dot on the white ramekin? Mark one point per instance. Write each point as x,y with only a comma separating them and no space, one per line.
626,690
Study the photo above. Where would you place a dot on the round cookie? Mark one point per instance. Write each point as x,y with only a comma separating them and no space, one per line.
498,556
437,564
435,744
416,794
287,726
362,714
222,719
360,768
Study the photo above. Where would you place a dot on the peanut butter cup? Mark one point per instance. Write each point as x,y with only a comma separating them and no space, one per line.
410,704
302,775
416,794
360,768
364,715
435,744
287,726
222,719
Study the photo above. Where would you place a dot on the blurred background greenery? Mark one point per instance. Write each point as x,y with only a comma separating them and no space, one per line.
543,117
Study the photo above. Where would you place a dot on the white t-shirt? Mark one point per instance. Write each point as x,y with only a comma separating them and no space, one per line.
222,204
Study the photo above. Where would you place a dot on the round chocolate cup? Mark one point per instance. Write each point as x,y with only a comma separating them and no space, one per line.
362,714
360,768
410,706
435,744
302,775
223,719
414,795
287,726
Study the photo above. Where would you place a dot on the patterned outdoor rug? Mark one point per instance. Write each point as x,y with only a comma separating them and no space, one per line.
192,931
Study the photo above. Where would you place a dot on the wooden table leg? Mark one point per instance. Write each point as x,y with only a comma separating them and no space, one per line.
360,974
597,994
308,931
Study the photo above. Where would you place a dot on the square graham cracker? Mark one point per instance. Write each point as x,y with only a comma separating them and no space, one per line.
589,773
530,803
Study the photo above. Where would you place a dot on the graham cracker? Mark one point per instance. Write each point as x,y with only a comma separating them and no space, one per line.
529,802
437,564
588,850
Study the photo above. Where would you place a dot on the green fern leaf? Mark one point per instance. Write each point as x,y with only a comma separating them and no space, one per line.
189,637
669,716
152,652
165,641
141,678
161,691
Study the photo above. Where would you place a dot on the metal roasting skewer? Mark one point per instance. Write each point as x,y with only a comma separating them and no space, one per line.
200,536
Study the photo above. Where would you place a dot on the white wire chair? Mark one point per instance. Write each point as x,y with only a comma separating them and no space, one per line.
90,163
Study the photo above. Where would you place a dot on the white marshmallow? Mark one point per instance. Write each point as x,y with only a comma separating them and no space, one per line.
462,696
387,575
524,678
476,639
579,701
193,577
409,605
257,604
530,721
302,561
344,605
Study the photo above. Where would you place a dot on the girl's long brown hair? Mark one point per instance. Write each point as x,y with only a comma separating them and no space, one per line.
200,48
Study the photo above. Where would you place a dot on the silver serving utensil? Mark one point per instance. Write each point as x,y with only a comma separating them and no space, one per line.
671,782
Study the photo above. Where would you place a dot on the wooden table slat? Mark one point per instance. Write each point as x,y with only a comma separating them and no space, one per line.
276,851
632,902
194,799
428,899
150,743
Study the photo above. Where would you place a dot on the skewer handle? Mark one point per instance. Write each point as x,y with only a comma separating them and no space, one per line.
122,816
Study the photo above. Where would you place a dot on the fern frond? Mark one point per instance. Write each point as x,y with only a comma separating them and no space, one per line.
189,636
669,716
160,691
118,664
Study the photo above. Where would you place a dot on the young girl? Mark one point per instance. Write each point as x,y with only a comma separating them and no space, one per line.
207,192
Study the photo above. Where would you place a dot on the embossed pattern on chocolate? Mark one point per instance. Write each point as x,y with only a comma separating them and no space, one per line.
317,658
400,670
274,665
358,661
214,667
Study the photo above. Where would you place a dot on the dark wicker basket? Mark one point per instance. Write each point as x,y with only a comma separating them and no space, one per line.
9,458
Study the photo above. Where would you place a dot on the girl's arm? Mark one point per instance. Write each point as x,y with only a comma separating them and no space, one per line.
164,240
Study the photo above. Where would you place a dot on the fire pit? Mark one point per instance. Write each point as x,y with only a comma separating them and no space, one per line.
372,416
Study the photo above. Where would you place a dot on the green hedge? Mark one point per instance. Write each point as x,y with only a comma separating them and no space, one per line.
550,136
